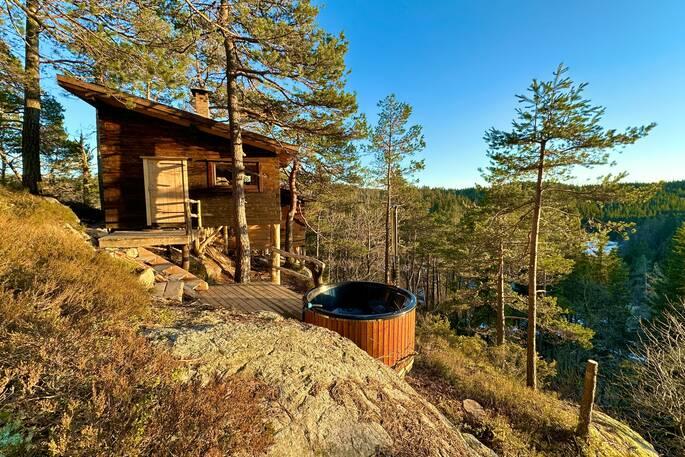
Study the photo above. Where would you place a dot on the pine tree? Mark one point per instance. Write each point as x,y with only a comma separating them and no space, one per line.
394,143
30,135
671,286
556,130
109,41
322,159
273,57
11,108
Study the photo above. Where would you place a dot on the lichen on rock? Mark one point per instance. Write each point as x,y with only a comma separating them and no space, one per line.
332,398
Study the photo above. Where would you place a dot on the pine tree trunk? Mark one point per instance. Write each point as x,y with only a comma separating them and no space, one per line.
85,172
242,239
500,296
395,247
318,234
368,250
388,203
3,169
292,210
531,367
30,133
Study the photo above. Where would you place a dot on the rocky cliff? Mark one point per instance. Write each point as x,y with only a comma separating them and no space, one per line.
330,397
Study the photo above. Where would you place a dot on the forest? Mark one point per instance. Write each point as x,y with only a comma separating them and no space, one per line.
551,270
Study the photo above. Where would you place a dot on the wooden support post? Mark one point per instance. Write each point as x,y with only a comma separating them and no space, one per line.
185,257
224,231
587,403
197,234
275,256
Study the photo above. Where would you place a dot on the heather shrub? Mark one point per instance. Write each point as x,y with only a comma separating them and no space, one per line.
75,376
520,421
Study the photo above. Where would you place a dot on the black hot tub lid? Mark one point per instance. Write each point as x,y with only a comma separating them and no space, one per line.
359,300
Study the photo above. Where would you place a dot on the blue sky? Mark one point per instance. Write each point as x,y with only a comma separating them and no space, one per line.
459,64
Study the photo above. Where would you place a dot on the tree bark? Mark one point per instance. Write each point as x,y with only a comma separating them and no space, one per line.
531,366
242,239
395,247
292,210
388,203
85,172
30,133
500,296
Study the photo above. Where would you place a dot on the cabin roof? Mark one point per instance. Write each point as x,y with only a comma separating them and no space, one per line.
96,94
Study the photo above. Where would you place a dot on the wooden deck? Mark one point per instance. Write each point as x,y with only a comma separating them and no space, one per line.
144,238
255,297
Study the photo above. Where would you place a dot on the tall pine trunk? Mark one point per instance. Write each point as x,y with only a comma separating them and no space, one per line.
242,239
531,367
85,172
30,133
500,296
388,203
292,210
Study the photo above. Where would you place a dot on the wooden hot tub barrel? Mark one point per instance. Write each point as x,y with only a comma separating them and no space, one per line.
389,339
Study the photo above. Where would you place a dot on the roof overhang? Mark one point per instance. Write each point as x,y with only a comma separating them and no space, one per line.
96,94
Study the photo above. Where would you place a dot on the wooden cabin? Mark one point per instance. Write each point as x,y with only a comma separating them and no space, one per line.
161,167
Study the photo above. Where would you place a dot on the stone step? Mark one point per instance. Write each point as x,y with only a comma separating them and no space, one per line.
174,290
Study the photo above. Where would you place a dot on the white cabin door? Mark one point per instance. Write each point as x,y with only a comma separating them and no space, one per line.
166,191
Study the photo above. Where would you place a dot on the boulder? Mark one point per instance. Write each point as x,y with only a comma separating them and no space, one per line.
332,398
146,276
474,410
189,292
479,448
174,290
158,289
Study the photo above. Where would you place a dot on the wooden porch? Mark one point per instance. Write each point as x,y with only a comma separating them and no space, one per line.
144,238
254,297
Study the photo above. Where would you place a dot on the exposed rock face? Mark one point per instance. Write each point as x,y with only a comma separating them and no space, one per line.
333,399
624,440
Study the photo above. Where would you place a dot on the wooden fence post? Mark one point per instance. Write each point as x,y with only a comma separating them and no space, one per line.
275,256
587,403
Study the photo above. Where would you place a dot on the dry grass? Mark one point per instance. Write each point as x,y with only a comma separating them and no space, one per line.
75,377
519,421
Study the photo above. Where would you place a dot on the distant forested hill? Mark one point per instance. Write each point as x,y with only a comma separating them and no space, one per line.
448,200
669,200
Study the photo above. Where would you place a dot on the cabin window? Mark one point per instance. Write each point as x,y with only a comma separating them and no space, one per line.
221,175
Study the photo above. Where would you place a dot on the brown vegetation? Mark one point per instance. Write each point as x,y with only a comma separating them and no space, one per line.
518,420
75,377
656,381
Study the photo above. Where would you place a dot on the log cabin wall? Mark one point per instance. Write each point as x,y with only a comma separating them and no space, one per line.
125,137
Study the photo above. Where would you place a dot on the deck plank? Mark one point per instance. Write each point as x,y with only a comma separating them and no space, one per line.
255,297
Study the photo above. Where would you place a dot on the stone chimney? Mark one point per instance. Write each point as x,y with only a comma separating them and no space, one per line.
200,101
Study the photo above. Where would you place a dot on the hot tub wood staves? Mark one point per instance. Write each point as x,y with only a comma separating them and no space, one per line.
390,340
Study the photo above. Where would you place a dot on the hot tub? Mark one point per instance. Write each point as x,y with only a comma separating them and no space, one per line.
378,318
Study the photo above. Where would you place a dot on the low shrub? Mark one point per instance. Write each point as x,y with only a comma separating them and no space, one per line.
519,421
75,376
